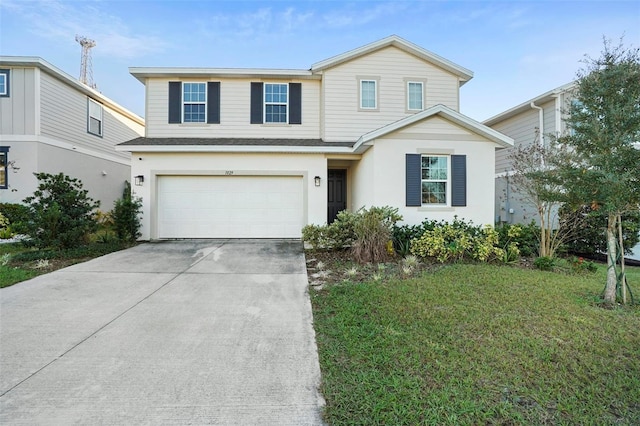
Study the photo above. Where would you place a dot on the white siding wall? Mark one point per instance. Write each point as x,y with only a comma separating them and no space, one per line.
342,119
64,117
382,171
235,104
306,165
18,111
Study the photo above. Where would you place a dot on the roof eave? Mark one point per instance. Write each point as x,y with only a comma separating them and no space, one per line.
37,62
142,73
498,138
525,106
236,149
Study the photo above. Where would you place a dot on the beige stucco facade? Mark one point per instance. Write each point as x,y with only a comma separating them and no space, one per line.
370,144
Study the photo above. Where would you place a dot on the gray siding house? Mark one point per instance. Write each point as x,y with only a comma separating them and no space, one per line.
50,122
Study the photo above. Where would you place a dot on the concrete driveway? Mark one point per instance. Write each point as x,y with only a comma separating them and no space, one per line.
179,332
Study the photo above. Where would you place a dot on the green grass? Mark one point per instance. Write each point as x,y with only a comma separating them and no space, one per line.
24,261
478,344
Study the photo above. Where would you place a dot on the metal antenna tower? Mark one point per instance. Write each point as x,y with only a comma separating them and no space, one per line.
86,67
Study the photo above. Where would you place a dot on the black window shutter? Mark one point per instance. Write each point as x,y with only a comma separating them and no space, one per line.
175,102
413,180
458,180
295,103
213,102
256,103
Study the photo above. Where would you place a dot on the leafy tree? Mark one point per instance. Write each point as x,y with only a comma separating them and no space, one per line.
126,215
60,212
590,239
538,181
604,126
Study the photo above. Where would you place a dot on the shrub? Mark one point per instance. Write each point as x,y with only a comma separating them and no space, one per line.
60,212
460,240
580,266
528,238
544,263
373,230
349,227
402,235
5,230
16,214
590,238
126,215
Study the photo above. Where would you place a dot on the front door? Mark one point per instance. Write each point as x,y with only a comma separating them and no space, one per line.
337,196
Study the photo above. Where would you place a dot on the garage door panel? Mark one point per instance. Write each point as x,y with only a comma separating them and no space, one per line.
230,206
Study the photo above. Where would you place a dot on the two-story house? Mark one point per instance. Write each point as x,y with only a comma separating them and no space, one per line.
263,152
52,123
537,120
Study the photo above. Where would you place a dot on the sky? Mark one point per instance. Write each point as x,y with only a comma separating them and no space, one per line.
516,49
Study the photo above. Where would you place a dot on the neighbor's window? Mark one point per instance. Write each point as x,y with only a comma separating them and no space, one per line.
415,95
194,101
4,166
368,94
94,118
4,83
275,103
435,178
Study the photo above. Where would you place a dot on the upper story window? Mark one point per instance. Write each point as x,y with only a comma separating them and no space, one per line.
94,118
368,94
4,82
194,101
435,179
415,96
275,103
4,167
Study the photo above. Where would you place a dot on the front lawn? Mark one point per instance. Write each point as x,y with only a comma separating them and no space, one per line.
478,344
24,263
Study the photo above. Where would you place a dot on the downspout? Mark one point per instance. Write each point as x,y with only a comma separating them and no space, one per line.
540,127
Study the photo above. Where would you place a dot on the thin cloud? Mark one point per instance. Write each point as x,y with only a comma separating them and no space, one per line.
62,21
359,16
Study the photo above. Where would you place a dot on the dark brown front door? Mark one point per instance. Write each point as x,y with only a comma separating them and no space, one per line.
337,196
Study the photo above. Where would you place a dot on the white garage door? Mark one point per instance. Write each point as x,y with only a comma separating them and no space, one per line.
230,206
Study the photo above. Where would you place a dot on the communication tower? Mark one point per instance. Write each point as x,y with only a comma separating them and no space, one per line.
86,67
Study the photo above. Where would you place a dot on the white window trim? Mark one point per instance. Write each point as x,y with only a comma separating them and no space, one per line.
423,82
265,103
194,103
90,116
448,181
376,81
3,76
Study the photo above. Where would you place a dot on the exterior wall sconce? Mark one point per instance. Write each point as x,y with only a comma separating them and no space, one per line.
317,180
139,180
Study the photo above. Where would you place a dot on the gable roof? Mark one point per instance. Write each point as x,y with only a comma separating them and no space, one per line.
36,62
463,74
444,112
525,106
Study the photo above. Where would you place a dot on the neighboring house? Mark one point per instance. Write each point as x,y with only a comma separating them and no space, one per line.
263,152
534,121
50,122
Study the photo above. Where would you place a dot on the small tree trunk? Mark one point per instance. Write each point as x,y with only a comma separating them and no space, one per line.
610,288
623,281
543,234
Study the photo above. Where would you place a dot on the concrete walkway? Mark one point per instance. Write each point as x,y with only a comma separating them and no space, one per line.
180,332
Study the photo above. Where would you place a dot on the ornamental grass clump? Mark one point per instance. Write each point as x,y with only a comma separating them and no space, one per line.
373,231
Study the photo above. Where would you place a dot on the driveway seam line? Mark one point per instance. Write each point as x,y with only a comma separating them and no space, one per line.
95,332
